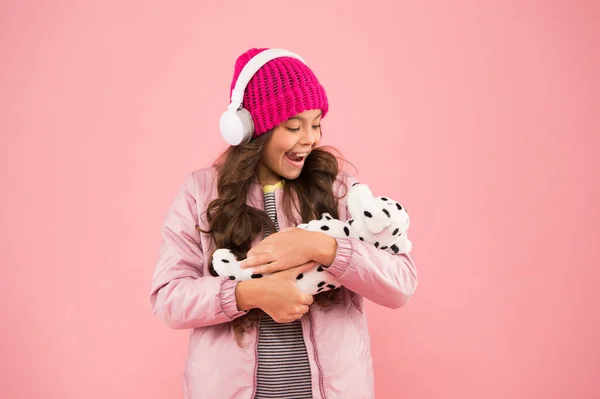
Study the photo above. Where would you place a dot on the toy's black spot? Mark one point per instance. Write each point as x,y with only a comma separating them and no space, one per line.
320,269
386,212
384,248
350,222
328,218
224,261
322,283
368,214
395,232
319,290
360,238
331,286
384,199
232,277
347,231
300,276
395,248
377,244
398,206
256,276
355,183
325,228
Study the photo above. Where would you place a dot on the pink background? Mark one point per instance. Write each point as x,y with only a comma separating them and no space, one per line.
481,118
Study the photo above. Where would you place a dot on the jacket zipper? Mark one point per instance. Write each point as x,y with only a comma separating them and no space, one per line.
262,207
256,359
312,339
312,335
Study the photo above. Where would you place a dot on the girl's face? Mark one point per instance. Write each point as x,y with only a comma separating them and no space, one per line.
288,147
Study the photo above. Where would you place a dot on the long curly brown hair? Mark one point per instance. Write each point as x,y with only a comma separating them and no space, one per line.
311,194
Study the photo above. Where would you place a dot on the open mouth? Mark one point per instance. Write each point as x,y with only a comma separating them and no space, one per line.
296,157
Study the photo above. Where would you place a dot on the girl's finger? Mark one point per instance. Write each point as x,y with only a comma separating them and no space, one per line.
257,250
303,309
307,299
267,268
256,260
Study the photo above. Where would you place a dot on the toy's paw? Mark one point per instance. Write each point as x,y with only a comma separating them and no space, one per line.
225,264
403,246
317,280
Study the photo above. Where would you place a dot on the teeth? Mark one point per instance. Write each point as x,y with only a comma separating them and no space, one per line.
299,154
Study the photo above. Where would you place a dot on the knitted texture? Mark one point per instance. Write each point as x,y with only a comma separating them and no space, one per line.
281,88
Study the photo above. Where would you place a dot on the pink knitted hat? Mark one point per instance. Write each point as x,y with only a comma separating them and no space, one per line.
281,88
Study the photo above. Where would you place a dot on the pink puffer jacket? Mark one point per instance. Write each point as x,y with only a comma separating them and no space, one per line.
185,296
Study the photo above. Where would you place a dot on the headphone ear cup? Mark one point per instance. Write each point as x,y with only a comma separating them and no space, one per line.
236,126
247,124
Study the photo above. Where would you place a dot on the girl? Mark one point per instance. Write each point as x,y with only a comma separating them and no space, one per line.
264,338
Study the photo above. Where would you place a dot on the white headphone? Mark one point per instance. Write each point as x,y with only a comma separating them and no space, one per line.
236,124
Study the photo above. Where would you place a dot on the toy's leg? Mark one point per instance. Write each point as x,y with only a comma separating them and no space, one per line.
225,264
316,281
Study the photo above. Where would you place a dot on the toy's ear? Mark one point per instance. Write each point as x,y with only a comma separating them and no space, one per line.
358,195
326,216
376,217
363,205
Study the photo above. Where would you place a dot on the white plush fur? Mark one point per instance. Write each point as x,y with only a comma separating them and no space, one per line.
379,221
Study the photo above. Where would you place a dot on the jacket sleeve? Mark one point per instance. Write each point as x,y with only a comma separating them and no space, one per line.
181,295
384,278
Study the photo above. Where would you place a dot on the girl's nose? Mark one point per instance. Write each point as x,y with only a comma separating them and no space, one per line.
310,137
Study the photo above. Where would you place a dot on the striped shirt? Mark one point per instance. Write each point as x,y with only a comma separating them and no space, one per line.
283,367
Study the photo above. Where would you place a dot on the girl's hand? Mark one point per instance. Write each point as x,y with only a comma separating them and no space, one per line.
281,299
288,248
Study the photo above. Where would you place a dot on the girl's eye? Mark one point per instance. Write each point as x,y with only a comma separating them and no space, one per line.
297,129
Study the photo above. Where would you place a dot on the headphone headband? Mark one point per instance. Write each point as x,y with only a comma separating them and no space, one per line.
236,123
251,67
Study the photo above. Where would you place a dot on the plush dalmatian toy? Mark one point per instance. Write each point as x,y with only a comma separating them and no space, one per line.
376,220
